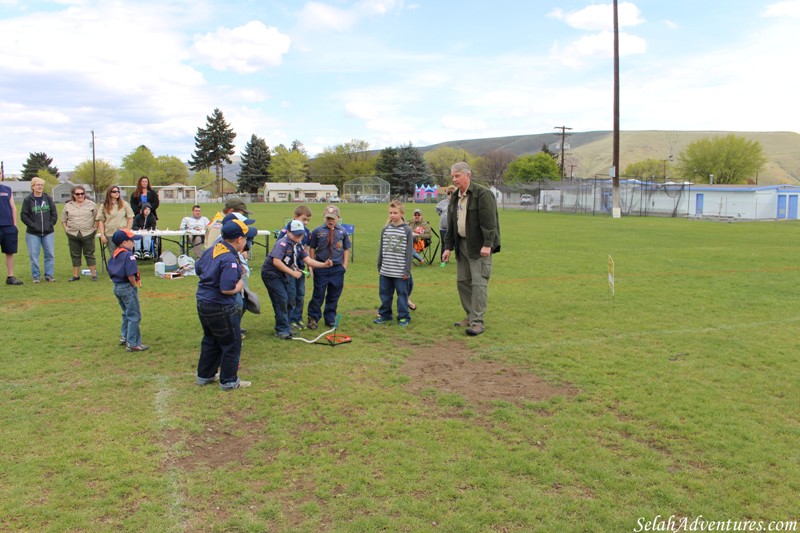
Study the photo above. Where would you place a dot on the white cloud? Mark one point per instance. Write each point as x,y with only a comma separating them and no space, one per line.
600,16
597,45
788,8
463,123
244,49
320,16
316,15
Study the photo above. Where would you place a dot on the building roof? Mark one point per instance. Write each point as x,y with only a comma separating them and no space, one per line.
303,186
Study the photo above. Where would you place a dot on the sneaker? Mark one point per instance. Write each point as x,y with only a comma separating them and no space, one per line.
74,278
146,256
296,326
242,384
94,278
381,320
463,324
137,254
300,324
403,322
284,336
474,330
11,280
122,341
312,323
140,348
49,279
36,280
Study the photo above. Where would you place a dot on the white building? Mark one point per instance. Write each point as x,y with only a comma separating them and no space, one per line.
299,192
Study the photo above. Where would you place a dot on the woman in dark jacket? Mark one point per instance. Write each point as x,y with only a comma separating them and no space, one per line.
145,220
39,216
144,194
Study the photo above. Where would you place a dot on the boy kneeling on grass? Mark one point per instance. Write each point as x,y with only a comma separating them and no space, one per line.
281,269
394,266
124,272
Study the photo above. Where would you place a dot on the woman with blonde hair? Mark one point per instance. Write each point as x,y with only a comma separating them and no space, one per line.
78,219
39,216
115,214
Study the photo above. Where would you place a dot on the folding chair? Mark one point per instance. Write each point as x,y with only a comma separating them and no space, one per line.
431,247
351,231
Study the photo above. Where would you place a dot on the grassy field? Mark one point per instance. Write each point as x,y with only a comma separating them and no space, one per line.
571,413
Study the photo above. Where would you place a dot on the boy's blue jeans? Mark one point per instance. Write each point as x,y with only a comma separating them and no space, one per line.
221,346
128,298
386,289
297,297
279,291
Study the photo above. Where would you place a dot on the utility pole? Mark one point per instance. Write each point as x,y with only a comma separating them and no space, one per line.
94,170
563,136
616,210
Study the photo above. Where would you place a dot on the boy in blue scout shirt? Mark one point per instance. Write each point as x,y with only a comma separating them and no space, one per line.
281,268
297,286
220,280
329,241
124,272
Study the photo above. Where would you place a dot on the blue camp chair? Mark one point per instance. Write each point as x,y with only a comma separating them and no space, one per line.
351,231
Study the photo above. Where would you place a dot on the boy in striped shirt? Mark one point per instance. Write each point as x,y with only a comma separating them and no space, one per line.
394,266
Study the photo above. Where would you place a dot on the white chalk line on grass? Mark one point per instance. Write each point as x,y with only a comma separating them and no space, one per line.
161,405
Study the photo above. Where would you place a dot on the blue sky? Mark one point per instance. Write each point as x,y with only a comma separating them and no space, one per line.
385,71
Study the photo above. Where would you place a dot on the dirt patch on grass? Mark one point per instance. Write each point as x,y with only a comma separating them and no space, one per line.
216,446
452,369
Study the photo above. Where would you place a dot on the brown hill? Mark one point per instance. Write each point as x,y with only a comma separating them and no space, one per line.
590,152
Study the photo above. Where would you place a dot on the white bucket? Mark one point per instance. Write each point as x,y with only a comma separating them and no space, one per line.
160,271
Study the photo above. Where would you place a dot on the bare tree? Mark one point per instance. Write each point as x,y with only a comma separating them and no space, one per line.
491,166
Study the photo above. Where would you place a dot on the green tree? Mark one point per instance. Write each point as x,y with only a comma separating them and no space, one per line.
532,167
202,179
50,181
647,168
492,166
729,158
343,162
140,162
441,159
403,167
169,170
254,172
106,173
288,165
214,146
546,150
38,161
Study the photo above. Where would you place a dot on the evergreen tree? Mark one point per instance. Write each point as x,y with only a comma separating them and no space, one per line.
547,151
214,146
254,172
411,169
38,161
386,163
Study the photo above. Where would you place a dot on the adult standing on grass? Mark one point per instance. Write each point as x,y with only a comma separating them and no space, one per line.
144,194
8,231
39,215
473,232
441,210
115,214
78,219
220,280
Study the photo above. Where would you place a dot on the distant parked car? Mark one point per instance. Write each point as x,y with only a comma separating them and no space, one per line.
526,199
369,199
334,199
